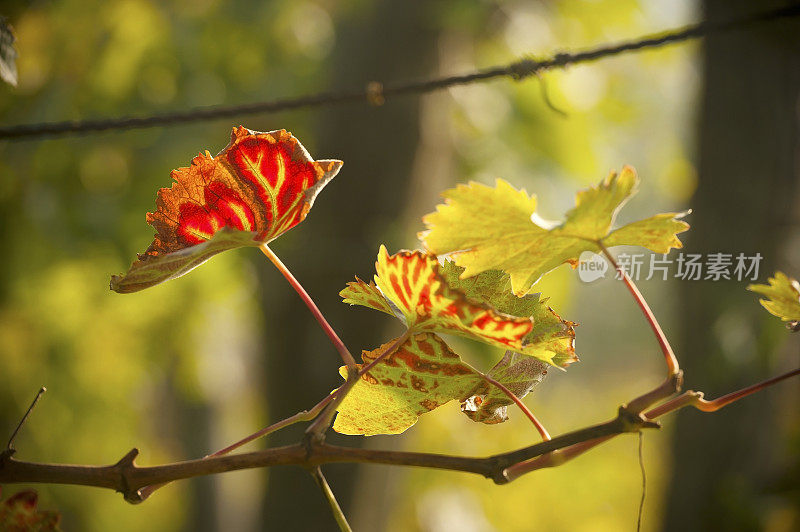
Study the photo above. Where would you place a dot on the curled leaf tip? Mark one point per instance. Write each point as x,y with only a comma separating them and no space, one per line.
254,190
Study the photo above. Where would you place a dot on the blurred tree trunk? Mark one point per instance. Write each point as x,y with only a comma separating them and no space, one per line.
340,239
728,464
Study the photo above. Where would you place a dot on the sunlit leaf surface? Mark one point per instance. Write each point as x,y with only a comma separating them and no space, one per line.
423,374
257,188
783,296
413,283
552,338
478,225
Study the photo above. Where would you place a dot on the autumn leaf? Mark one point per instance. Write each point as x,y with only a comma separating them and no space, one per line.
19,513
783,296
422,374
410,285
517,372
478,225
367,295
552,339
257,188
8,54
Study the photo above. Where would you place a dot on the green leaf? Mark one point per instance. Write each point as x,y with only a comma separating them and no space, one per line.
519,373
552,339
423,374
485,228
783,296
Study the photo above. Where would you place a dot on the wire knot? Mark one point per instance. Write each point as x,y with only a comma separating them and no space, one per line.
375,95
524,68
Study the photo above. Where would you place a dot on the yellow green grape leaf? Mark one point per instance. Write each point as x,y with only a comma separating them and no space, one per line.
423,374
485,228
412,282
658,233
551,339
517,372
783,296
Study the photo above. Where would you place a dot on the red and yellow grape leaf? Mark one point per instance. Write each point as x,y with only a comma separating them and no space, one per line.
519,373
257,188
485,228
367,295
412,282
552,338
783,296
423,374
19,513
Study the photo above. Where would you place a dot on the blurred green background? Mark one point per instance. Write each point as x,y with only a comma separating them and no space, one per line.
192,365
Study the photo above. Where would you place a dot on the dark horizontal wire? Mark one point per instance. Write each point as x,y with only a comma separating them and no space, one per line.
376,93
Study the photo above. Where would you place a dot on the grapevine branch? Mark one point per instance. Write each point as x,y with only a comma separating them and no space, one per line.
137,483
305,415
671,385
128,478
375,93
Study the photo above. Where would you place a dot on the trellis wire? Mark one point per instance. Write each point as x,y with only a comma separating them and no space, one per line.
376,93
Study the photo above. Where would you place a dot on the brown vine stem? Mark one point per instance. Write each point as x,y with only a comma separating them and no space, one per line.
127,478
689,398
316,430
695,399
305,415
347,358
338,514
669,387
511,395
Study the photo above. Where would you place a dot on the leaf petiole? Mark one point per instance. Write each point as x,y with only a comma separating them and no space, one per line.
669,355
347,358
511,395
